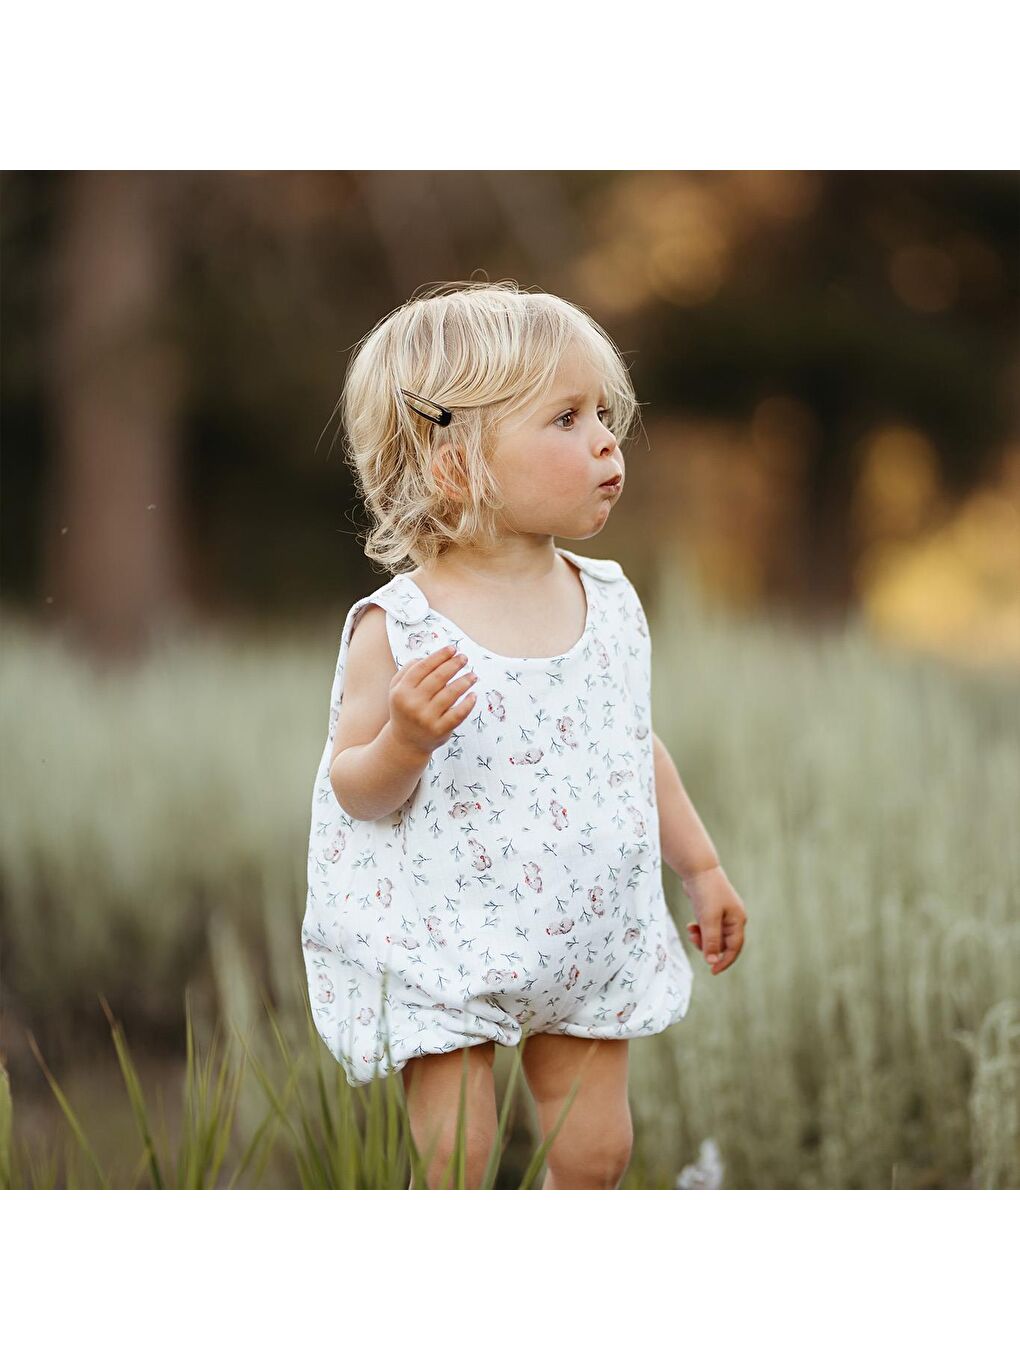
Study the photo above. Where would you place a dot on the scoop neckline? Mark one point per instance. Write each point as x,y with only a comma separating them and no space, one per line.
487,652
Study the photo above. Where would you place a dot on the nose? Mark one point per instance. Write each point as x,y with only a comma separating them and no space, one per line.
606,440
609,450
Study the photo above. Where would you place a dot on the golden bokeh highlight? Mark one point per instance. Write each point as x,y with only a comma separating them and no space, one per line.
668,236
954,589
898,486
676,236
781,196
729,497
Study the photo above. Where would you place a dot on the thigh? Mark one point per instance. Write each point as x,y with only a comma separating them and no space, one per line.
554,1063
432,1086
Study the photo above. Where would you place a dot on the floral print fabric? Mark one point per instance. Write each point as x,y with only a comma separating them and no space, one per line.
519,887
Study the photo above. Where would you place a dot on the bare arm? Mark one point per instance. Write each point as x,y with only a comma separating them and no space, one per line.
390,721
721,916
373,779
686,846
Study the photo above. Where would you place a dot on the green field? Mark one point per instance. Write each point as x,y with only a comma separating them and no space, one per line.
863,802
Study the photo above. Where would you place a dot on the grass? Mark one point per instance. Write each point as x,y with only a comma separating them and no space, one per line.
862,801
325,1134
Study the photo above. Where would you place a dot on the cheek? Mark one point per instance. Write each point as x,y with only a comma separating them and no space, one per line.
563,476
547,471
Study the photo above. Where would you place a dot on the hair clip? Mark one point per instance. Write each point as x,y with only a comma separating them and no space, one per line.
443,419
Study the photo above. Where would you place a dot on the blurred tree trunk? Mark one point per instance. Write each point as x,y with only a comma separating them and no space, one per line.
112,564
407,216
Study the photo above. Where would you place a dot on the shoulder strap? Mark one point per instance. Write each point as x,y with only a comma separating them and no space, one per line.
601,568
402,598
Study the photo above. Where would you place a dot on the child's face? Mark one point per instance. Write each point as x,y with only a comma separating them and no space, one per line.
551,460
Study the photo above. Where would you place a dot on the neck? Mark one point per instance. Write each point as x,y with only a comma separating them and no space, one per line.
519,561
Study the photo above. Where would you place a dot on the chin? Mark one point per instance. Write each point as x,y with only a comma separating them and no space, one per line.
581,529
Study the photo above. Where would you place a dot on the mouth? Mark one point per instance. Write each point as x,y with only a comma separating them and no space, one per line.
613,484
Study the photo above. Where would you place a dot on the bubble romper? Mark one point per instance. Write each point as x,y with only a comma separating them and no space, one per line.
518,889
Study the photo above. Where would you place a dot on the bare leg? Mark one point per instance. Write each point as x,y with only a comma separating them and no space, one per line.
432,1087
594,1143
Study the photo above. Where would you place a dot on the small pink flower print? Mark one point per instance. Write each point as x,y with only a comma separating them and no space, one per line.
461,810
531,755
494,703
384,892
565,727
562,928
335,848
496,977
482,859
559,814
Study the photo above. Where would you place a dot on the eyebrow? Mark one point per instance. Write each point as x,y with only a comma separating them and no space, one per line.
573,398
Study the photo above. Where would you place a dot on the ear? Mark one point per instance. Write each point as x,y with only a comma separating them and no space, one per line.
443,455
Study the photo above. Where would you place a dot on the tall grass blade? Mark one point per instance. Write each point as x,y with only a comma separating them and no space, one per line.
499,1142
136,1097
534,1166
69,1115
6,1130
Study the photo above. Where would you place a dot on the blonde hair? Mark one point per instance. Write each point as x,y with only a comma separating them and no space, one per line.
486,351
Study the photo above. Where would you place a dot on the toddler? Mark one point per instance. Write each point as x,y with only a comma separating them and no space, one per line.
492,808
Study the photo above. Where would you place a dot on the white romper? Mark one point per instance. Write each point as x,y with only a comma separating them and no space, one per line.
519,886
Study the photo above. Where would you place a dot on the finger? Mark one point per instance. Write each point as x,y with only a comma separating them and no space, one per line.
734,943
457,715
729,957
419,670
447,695
733,947
433,680
711,933
733,936
424,664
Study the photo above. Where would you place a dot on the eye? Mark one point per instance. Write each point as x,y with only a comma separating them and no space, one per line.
603,410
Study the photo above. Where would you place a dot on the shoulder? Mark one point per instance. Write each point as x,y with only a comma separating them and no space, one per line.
625,597
399,597
402,597
601,568
369,647
365,681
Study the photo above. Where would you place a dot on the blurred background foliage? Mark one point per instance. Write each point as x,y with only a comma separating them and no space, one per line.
822,513
829,362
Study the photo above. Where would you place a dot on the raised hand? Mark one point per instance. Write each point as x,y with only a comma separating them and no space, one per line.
423,699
